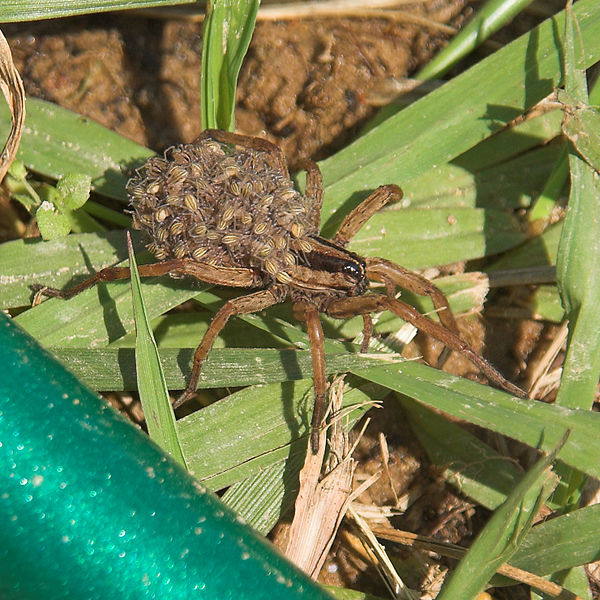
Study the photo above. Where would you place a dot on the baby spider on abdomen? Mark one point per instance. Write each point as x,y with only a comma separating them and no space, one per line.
225,211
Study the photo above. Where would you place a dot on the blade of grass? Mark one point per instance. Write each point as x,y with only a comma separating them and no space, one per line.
455,117
24,263
102,314
347,594
183,330
504,532
253,429
262,499
57,141
507,185
33,10
536,252
228,28
561,543
154,396
533,423
493,15
468,464
511,142
258,498
437,236
113,369
548,199
578,264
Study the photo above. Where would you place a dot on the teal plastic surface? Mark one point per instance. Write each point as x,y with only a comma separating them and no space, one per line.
91,509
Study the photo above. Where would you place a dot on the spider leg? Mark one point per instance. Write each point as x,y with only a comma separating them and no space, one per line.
237,306
227,276
104,275
393,275
246,141
348,307
367,331
310,315
314,191
364,211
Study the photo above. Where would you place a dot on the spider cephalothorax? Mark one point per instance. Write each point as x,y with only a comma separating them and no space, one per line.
224,210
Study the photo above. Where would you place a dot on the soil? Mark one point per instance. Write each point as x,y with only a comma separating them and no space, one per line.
309,85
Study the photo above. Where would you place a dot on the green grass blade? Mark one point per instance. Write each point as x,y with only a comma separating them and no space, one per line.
561,543
492,16
154,396
455,117
263,498
503,533
467,463
57,141
578,273
340,593
512,142
507,185
537,252
33,10
184,330
228,29
255,428
101,314
578,264
113,369
548,199
533,423
24,263
437,236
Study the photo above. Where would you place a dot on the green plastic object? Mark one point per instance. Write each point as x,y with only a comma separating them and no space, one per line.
91,509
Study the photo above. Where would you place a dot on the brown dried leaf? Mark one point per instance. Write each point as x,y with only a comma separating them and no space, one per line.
14,92
322,503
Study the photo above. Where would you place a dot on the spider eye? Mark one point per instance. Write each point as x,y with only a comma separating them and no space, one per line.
352,270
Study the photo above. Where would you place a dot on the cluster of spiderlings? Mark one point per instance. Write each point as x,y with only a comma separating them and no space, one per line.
221,205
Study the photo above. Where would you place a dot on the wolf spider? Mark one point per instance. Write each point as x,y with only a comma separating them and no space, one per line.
224,210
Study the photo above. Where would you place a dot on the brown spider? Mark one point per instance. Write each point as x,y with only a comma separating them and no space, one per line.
224,210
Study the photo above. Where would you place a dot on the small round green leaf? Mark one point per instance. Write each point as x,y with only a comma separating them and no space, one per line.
52,223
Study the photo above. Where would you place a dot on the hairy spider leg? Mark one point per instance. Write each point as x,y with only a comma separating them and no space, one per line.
242,305
314,191
345,308
246,141
310,315
373,203
393,275
367,331
227,276
389,273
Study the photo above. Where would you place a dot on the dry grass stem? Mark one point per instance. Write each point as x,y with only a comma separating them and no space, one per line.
454,551
322,501
377,9
14,92
381,560
385,459
539,374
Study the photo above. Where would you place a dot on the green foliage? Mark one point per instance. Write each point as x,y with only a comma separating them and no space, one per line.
228,29
151,383
55,208
32,10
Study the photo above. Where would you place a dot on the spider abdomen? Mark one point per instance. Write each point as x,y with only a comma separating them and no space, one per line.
219,205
